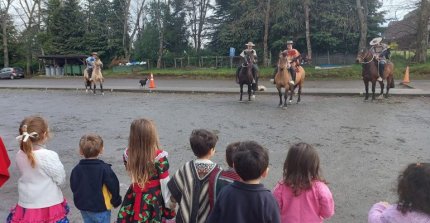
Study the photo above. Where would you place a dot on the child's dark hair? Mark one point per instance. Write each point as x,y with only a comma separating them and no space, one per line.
202,141
91,145
229,152
301,167
414,188
250,160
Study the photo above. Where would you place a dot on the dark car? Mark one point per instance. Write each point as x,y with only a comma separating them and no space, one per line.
12,72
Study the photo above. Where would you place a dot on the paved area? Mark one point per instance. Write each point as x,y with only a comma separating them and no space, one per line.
362,145
181,85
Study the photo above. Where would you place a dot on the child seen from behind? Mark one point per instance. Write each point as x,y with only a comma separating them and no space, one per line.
94,185
247,200
413,205
302,194
190,184
41,174
148,198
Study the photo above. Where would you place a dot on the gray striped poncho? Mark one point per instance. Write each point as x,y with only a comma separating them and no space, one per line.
190,188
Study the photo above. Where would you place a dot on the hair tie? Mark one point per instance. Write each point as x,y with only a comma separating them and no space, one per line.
25,135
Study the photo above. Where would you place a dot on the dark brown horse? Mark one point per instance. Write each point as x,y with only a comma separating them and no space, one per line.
370,73
245,77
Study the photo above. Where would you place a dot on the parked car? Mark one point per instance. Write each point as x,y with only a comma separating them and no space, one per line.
12,72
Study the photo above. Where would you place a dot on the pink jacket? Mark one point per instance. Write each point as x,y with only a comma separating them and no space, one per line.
380,213
311,206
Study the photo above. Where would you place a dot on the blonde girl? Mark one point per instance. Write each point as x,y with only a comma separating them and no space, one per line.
41,173
147,164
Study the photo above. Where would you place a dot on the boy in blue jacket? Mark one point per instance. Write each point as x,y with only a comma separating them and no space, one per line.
94,185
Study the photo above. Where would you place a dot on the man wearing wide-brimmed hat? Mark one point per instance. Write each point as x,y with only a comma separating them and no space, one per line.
90,63
293,56
381,52
249,52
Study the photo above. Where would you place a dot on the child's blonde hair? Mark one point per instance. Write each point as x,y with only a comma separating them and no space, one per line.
32,129
142,145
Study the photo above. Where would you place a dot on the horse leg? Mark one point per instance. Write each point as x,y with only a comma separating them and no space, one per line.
373,89
286,96
366,87
291,88
241,92
101,88
280,97
381,84
389,79
94,89
249,91
299,92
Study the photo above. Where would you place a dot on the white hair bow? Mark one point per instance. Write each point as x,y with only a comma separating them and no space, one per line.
25,135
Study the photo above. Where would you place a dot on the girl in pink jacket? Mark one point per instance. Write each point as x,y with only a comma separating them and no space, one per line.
302,194
414,198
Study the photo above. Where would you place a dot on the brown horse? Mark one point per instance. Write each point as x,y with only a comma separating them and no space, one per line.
370,73
282,79
245,78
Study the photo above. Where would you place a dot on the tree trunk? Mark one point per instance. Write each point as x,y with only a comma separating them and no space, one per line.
160,26
125,29
136,26
5,45
422,32
266,35
362,17
4,19
306,4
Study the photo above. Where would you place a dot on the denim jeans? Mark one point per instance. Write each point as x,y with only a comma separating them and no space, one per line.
96,217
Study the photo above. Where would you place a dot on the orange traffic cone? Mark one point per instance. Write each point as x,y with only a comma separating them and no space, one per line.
151,82
406,77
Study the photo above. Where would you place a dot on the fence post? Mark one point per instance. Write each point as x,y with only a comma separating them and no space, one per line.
174,59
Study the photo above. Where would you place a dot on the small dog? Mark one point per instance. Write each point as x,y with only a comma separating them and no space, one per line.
143,82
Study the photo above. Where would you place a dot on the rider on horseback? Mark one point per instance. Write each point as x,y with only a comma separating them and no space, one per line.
293,57
381,52
246,55
90,64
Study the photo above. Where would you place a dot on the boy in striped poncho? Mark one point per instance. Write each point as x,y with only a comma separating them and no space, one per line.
190,184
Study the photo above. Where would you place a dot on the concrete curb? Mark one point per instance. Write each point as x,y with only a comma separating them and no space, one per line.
309,91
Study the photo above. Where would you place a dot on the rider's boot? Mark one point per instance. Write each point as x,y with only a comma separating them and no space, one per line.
293,75
381,71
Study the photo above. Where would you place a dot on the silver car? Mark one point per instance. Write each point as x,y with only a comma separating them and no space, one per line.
12,72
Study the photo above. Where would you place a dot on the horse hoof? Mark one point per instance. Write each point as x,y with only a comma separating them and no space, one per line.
103,93
86,90
252,97
240,101
290,101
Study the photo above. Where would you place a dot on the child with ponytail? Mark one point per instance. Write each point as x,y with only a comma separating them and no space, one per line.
41,173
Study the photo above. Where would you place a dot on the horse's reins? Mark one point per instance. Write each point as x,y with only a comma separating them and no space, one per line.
373,57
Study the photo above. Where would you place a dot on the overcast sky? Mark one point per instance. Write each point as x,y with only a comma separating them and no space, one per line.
396,9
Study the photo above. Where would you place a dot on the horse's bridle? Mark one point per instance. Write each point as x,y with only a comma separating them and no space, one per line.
367,53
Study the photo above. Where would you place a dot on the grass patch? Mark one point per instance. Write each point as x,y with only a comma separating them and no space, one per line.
417,71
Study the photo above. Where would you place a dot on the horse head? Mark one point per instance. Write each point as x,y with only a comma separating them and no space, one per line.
364,56
283,61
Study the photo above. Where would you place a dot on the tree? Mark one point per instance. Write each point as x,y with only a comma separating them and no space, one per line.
362,12
306,6
197,11
5,19
266,34
423,32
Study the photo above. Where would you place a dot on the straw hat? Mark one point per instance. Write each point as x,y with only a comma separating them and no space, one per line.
249,44
289,42
94,53
375,41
